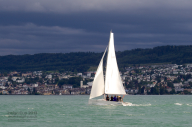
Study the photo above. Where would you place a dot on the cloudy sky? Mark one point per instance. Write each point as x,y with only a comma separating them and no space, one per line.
60,26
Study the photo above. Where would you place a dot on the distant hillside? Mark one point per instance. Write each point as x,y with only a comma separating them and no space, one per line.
81,61
160,54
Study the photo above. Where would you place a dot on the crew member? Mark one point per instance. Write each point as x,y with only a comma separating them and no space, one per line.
115,99
107,98
111,98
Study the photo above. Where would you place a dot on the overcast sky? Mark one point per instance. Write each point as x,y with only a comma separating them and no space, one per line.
60,26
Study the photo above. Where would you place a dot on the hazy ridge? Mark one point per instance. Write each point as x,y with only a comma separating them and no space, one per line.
82,61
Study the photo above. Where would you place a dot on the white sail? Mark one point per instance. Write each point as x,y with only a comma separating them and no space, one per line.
98,82
113,82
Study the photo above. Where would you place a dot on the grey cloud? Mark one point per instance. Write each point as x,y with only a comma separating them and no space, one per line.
82,25
68,6
34,29
31,38
35,39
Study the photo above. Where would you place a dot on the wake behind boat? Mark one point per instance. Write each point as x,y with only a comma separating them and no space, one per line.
112,84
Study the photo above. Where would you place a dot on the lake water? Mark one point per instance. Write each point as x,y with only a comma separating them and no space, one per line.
72,111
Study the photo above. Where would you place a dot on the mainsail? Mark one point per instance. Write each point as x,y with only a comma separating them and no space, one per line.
113,82
98,82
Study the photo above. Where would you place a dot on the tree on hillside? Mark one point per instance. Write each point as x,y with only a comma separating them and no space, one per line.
170,84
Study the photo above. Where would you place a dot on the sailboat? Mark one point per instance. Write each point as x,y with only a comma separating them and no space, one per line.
113,84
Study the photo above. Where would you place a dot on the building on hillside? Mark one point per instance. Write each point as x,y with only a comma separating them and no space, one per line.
89,83
88,90
131,91
79,74
15,78
27,74
49,76
189,90
35,85
178,87
75,91
65,91
3,87
67,86
21,80
50,86
5,92
83,86
63,77
169,89
88,74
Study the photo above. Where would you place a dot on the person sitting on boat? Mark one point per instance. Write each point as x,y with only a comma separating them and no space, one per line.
111,98
118,98
107,98
115,99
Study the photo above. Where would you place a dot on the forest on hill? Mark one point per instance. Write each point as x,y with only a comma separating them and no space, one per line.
82,61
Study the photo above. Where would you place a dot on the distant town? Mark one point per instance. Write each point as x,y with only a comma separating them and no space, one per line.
164,79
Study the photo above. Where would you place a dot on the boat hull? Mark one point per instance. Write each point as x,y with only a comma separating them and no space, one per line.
104,102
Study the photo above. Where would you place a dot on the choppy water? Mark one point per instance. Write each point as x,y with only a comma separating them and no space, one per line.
72,111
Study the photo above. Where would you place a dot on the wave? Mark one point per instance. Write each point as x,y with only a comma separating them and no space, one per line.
6,115
30,108
178,104
189,104
130,104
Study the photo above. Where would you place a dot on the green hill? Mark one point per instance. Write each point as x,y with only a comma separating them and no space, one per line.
82,61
